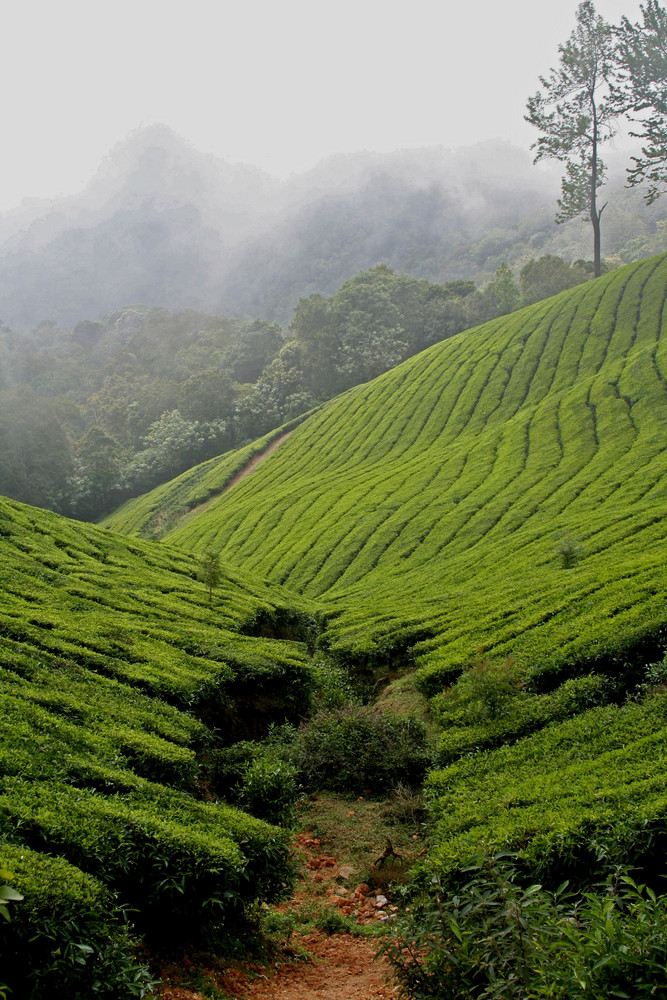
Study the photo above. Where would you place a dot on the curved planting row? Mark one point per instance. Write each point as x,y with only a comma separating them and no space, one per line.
503,489
119,675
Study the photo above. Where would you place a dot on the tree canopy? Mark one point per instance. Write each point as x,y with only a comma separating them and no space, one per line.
576,112
605,74
642,52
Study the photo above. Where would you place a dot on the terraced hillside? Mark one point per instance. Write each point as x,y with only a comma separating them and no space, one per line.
505,489
119,678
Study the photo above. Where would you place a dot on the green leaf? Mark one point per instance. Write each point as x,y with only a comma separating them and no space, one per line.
6,892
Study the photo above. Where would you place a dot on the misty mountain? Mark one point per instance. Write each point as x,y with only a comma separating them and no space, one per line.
418,211
164,224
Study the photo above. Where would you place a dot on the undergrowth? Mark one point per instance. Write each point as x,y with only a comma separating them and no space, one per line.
495,936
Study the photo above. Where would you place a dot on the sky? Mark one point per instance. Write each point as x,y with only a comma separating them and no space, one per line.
280,84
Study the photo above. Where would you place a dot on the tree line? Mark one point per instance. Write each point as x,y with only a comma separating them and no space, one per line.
93,415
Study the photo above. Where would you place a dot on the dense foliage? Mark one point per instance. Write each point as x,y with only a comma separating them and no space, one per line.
120,675
92,415
497,937
360,749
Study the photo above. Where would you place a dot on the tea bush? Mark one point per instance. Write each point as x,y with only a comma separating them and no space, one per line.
169,856
357,748
115,674
495,937
570,799
523,713
259,778
68,937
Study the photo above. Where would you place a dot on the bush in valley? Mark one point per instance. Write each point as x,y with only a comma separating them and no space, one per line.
357,748
335,685
346,749
485,690
494,937
258,778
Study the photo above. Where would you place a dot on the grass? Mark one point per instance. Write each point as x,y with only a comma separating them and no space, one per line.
354,831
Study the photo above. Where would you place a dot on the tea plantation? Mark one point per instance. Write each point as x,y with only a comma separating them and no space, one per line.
504,490
119,679
490,517
483,527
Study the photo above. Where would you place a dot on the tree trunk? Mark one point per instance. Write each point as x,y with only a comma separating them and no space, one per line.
597,258
595,215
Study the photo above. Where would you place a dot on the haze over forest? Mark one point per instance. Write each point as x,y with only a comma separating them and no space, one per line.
163,224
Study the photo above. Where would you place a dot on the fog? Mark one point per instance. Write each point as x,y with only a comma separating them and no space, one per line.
164,224
233,157
277,86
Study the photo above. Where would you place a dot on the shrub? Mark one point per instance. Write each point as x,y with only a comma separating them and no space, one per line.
568,551
655,677
357,748
269,789
170,857
522,715
68,937
259,777
493,938
484,691
335,687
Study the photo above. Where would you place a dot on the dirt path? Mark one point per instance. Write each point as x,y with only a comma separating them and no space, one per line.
342,968
255,461
247,469
339,966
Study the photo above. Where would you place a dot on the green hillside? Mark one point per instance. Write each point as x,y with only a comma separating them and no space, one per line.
487,522
504,490
487,519
119,680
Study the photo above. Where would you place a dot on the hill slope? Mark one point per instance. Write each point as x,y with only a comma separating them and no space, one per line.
505,489
119,679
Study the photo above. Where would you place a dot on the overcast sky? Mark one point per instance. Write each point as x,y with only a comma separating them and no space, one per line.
277,83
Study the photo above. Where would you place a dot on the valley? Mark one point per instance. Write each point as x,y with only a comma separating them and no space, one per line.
447,584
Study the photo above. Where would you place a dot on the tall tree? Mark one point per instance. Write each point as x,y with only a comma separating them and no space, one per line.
576,112
642,50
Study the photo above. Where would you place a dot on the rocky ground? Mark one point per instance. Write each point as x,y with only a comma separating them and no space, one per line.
324,943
